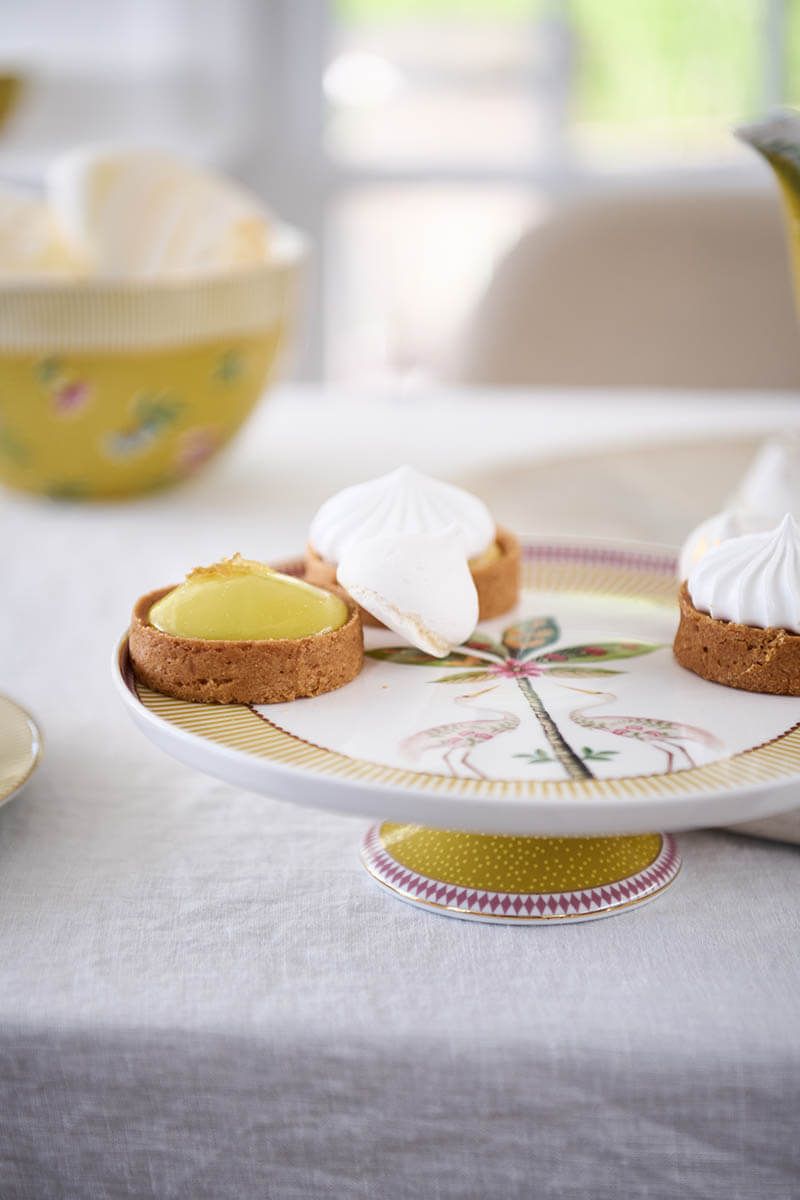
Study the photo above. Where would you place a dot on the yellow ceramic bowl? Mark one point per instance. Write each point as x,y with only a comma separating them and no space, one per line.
108,389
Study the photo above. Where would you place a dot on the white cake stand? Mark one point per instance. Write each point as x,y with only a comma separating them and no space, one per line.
517,781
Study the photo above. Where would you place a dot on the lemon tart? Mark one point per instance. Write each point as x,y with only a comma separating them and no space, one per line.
239,632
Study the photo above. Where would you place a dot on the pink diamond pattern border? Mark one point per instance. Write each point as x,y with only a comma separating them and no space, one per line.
529,906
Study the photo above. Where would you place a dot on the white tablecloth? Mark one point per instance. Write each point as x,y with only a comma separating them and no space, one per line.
203,996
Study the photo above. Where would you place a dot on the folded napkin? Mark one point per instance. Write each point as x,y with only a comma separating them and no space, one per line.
131,214
31,241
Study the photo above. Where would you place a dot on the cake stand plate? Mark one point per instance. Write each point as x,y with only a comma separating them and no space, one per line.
530,766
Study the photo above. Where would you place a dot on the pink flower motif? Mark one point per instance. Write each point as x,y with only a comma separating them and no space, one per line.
516,670
70,398
196,447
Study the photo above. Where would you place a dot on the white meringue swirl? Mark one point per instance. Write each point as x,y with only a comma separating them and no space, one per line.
752,580
403,502
730,523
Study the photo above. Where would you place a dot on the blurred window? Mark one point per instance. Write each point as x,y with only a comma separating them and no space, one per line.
414,139
450,124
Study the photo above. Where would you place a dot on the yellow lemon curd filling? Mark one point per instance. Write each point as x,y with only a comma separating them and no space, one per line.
241,600
491,554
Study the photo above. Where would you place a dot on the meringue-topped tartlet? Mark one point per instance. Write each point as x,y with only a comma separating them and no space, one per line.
769,488
740,613
408,502
240,632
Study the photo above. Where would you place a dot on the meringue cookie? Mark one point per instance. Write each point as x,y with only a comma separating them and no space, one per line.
417,584
753,579
141,213
403,502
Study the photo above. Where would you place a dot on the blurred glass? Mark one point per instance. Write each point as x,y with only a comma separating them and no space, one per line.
405,267
441,82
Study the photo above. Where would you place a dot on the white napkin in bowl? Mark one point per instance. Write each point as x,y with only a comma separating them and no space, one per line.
141,213
31,242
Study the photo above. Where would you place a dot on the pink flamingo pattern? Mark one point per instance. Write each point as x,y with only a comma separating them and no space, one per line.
462,736
664,735
526,655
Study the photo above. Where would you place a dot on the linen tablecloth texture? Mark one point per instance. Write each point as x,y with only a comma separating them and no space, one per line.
203,996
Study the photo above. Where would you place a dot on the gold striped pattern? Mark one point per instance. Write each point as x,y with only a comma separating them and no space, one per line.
97,314
240,728
611,580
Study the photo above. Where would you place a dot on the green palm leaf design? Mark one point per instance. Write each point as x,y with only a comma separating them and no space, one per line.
598,651
465,677
486,645
581,672
409,657
526,637
590,755
537,757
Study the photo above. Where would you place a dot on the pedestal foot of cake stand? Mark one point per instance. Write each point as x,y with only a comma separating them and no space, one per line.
519,880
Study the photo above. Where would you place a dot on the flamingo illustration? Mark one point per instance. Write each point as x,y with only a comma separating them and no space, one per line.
462,735
664,735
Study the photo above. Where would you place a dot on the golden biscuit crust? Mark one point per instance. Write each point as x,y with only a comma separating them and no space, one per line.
738,656
231,672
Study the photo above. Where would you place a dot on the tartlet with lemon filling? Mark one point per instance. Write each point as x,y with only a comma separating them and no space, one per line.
408,502
239,632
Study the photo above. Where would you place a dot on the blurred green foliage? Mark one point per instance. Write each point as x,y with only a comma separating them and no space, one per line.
638,61
667,59
792,52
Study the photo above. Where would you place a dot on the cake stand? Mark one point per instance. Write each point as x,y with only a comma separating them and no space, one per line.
518,780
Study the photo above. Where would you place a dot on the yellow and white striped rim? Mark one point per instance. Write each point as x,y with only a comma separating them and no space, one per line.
565,567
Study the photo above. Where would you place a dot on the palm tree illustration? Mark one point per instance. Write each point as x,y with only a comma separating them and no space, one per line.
521,655
462,736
